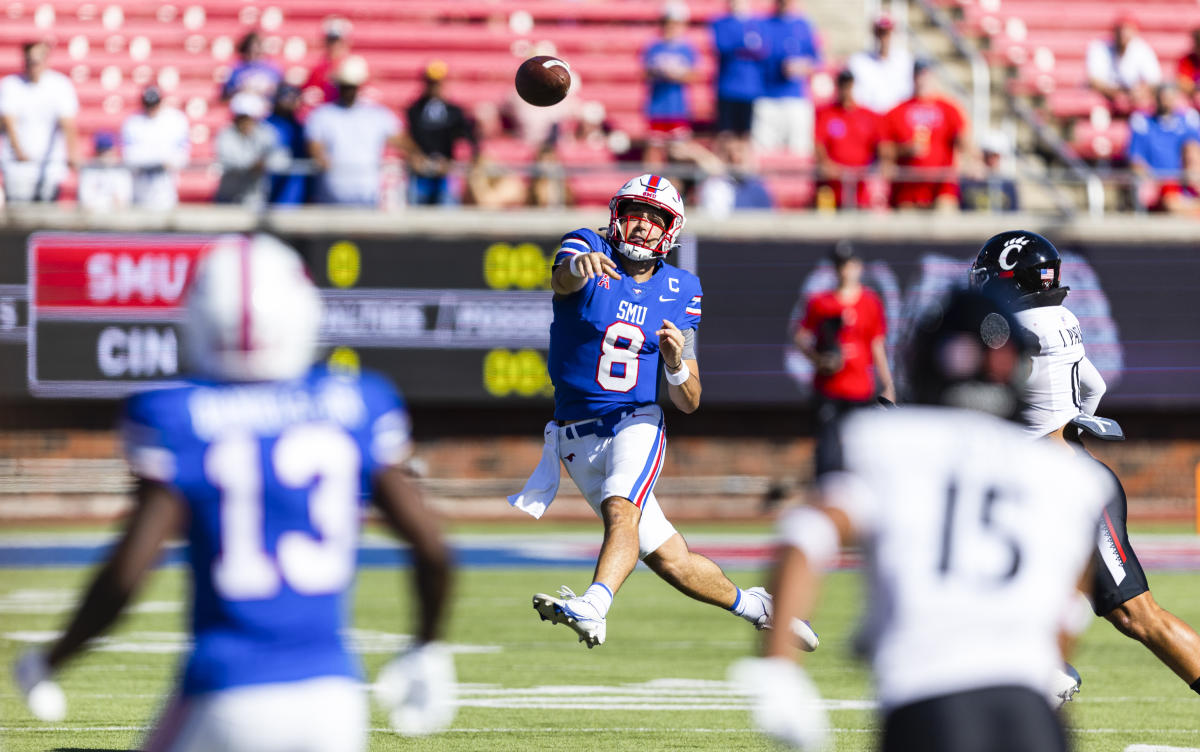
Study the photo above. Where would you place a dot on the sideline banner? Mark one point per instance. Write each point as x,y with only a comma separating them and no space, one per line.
465,321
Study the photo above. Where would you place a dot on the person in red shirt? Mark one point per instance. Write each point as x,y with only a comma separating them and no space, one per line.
847,139
1188,71
320,87
843,334
925,132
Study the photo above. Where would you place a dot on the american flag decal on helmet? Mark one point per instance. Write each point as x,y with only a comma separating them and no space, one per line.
693,306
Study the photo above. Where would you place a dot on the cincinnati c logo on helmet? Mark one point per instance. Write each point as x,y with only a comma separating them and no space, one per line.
1014,244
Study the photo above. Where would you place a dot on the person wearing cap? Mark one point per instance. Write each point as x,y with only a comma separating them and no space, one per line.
783,115
843,335
245,148
287,184
670,64
104,183
155,146
926,137
1116,68
882,74
847,139
37,116
435,125
320,85
254,72
995,189
347,138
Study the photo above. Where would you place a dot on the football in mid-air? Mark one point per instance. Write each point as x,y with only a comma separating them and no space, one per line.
543,80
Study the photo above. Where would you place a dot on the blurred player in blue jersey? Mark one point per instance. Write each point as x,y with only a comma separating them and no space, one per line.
263,462
622,317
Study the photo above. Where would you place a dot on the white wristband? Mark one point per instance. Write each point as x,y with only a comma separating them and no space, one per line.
574,265
683,374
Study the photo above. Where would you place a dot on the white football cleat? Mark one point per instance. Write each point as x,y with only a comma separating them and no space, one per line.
1066,684
803,631
573,611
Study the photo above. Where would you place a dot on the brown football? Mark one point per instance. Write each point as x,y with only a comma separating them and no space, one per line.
543,80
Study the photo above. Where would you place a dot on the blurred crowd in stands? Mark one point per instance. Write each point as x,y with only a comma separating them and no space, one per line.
1164,143
885,136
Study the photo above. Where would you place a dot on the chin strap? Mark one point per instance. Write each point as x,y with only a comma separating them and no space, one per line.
1042,298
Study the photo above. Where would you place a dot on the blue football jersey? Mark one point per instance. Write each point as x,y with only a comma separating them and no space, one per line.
603,350
274,476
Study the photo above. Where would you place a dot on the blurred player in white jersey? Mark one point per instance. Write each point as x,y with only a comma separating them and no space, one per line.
1061,396
263,462
623,319
973,568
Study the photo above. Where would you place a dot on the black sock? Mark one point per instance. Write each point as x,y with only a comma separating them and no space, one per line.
1195,686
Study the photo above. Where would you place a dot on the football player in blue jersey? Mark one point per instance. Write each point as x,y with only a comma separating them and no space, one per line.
622,317
262,462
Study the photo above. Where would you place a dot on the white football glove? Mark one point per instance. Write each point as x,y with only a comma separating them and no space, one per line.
417,690
785,704
42,694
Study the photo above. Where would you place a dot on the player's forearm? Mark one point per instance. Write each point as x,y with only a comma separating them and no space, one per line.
686,396
105,600
794,586
432,576
563,282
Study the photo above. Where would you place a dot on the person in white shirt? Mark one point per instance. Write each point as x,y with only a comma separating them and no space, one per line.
1116,69
156,147
883,76
104,183
1061,394
346,139
246,149
37,111
974,542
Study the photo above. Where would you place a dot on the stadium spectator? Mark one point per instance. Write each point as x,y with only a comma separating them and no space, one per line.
1115,69
741,48
994,189
1187,70
37,109
435,125
156,147
1156,145
548,187
783,115
245,149
739,185
320,87
104,183
882,74
843,334
346,139
491,187
286,185
1185,200
670,64
847,140
925,134
254,72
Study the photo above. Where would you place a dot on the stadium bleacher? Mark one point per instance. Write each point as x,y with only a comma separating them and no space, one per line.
112,50
1044,46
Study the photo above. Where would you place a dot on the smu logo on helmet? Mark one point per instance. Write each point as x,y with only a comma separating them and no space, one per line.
1014,244
653,185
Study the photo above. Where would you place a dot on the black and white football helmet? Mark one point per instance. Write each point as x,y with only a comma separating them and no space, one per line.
1019,267
967,351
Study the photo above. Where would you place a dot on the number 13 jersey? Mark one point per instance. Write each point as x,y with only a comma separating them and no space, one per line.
603,348
274,475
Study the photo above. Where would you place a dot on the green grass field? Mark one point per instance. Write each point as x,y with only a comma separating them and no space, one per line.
655,684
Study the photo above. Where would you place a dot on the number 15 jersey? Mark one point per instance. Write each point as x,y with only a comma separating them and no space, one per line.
603,350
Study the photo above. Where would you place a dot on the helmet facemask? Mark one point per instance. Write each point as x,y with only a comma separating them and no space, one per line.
644,192
651,243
